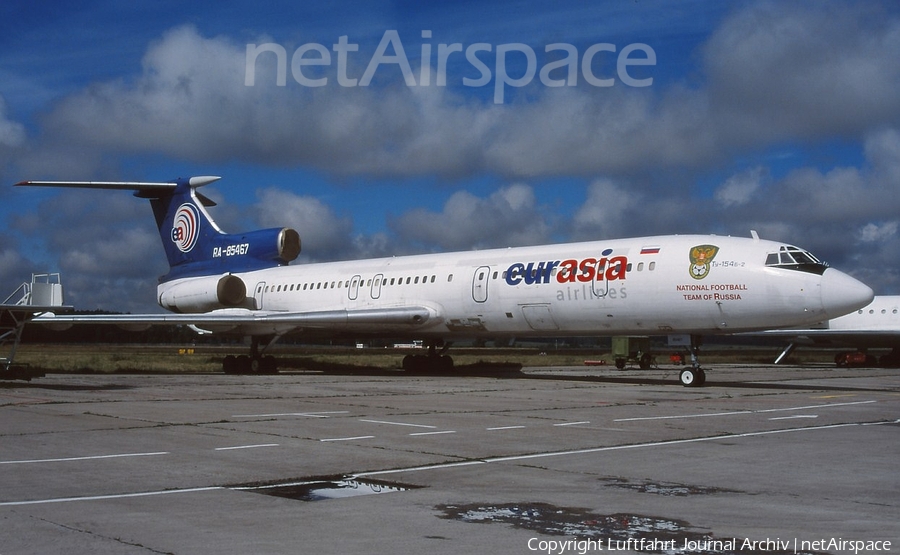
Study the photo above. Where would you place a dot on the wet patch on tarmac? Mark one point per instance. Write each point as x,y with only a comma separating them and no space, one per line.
666,489
320,489
614,532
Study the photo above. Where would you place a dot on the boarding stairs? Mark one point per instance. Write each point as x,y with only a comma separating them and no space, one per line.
43,294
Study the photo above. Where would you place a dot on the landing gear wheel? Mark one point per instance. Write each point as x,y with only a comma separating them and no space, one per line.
243,364
427,363
414,363
255,363
263,365
692,377
646,361
444,363
268,365
229,365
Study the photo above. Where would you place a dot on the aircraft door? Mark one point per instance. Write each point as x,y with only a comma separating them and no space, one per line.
600,284
258,295
376,286
480,284
353,290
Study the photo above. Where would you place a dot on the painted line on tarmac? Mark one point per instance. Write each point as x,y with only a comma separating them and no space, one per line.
322,414
759,411
460,463
678,416
602,449
347,438
105,497
398,423
794,417
87,458
246,446
433,433
825,406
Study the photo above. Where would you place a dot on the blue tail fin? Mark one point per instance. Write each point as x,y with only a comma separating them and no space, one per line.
185,227
194,244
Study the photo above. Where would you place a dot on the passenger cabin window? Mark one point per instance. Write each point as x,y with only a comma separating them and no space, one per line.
792,258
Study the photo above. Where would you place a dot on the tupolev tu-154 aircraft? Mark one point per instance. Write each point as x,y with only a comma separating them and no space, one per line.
665,285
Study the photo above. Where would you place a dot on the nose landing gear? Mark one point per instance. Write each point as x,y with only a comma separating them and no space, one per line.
694,376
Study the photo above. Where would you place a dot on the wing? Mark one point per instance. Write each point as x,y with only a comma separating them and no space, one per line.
238,320
13,318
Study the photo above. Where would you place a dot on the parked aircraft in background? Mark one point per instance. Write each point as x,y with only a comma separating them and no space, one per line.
690,284
873,326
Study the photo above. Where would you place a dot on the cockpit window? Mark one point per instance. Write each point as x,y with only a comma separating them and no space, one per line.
792,258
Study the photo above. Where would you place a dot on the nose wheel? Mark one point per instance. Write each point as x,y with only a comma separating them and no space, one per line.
694,376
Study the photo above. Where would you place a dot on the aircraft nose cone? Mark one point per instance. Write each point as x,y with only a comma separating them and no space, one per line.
842,294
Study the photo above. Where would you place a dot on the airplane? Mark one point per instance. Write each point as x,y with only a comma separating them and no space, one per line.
875,325
680,284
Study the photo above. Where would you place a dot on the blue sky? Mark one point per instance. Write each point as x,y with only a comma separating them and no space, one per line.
783,117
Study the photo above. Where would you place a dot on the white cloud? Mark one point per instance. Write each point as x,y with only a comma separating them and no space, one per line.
773,70
739,189
116,253
12,134
780,69
323,234
14,267
508,217
606,211
873,232
882,151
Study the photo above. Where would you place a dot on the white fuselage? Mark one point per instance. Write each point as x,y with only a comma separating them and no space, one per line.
882,315
644,286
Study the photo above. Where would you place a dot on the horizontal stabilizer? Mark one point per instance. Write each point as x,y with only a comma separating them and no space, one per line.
141,186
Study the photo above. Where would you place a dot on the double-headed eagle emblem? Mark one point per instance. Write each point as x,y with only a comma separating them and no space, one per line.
701,256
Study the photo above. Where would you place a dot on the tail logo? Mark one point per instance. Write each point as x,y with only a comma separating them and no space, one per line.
186,227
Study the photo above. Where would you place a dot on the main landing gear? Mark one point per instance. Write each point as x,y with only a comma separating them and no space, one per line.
434,362
255,363
694,376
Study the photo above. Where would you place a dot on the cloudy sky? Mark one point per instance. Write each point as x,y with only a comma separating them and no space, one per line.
407,127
